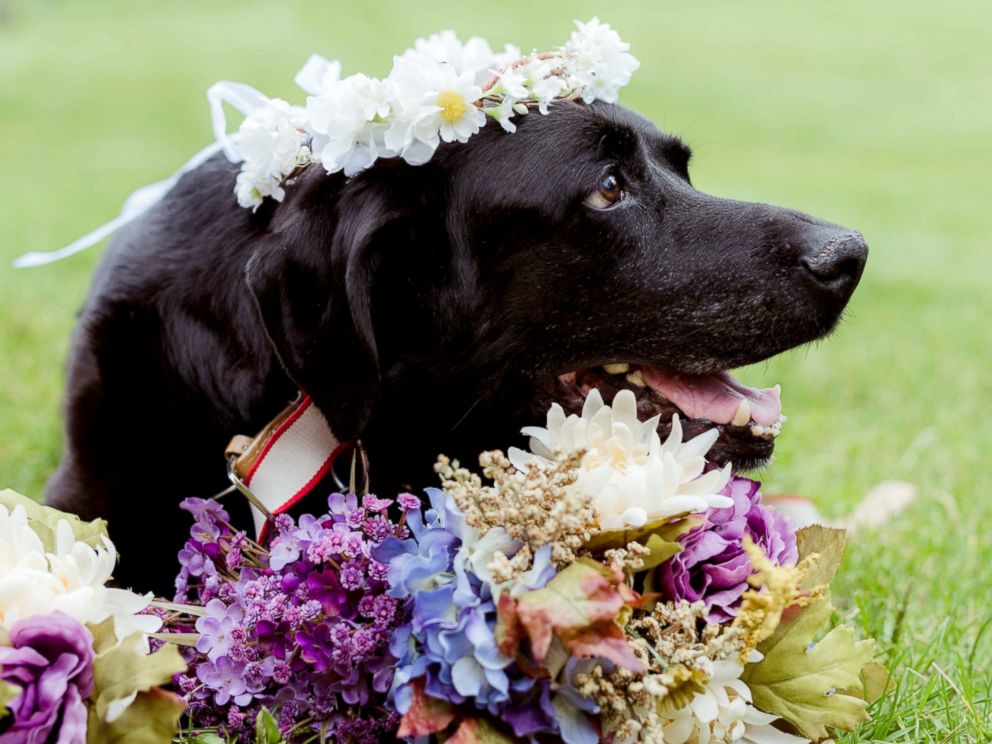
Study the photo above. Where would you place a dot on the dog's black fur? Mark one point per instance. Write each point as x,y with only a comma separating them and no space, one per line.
420,308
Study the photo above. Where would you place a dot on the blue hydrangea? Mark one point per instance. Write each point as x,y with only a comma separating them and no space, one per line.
449,642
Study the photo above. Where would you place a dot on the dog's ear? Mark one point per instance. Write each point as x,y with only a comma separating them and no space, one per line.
312,280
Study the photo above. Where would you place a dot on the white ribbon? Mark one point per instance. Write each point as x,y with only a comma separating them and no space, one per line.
244,98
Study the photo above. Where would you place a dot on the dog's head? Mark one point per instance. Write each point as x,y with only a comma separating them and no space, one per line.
523,268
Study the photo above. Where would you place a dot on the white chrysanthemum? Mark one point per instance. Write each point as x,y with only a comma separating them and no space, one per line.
600,64
724,712
632,477
70,580
272,142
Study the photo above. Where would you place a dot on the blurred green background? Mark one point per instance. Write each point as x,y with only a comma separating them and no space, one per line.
875,115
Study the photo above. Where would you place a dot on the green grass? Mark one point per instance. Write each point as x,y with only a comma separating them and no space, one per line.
875,115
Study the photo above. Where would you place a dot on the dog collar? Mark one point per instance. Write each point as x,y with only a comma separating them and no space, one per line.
284,462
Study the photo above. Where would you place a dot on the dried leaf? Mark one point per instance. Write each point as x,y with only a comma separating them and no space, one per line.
426,715
509,631
478,731
828,544
876,681
606,640
580,605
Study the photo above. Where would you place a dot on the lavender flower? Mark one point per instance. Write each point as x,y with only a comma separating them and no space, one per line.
51,660
713,566
301,628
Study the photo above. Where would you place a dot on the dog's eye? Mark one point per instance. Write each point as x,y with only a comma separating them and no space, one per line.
610,191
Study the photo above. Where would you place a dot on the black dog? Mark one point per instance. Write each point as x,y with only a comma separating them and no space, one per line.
432,309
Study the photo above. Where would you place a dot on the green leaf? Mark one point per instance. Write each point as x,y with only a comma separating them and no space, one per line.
7,693
661,551
104,637
44,519
122,669
811,687
152,718
580,605
266,729
207,737
667,529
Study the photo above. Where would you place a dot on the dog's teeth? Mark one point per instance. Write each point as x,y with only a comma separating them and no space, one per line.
636,378
743,414
763,432
617,369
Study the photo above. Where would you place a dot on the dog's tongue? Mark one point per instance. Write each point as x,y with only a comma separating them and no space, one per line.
716,397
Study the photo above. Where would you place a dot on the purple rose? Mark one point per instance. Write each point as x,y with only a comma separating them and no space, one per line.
51,660
713,566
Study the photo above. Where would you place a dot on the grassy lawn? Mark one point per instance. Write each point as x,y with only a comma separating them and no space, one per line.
875,115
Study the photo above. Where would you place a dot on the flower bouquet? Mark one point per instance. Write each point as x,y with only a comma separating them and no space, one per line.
604,586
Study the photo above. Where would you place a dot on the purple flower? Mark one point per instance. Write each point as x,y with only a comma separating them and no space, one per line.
285,550
408,501
374,504
378,528
216,628
352,576
341,503
226,679
206,510
51,660
301,628
713,566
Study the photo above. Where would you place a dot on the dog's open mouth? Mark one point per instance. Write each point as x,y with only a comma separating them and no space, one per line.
747,418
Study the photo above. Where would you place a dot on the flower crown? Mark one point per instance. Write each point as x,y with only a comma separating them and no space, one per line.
440,91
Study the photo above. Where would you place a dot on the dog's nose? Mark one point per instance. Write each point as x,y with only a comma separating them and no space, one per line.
836,260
